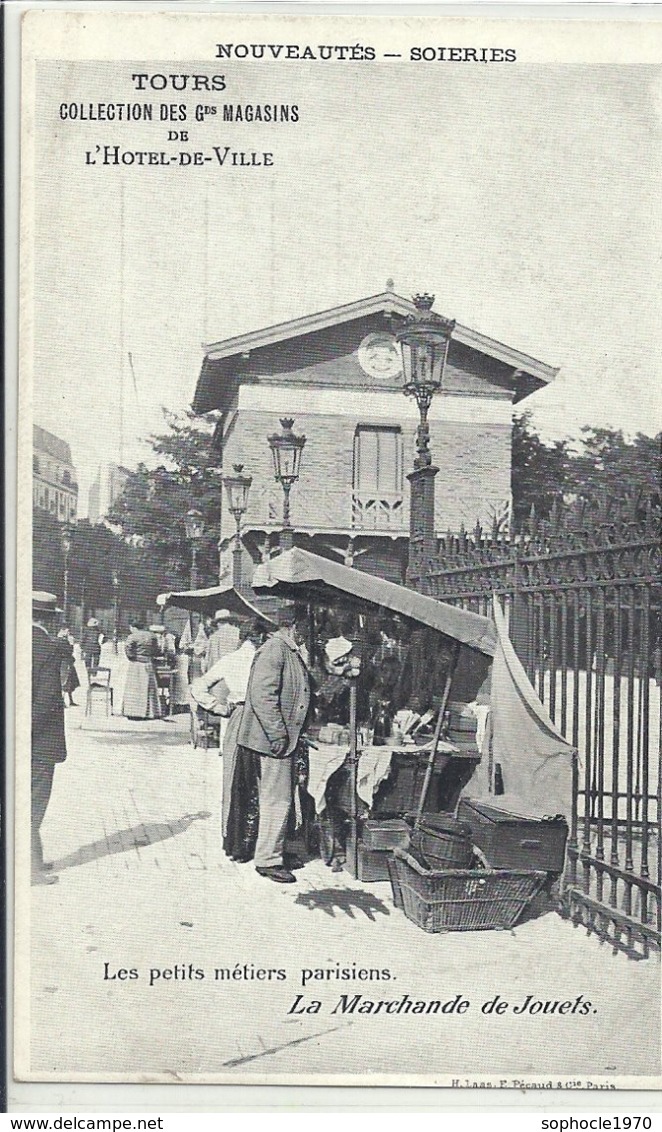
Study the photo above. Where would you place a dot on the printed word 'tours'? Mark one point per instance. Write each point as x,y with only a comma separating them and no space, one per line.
146,81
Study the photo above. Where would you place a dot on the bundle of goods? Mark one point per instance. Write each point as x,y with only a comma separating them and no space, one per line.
438,841
509,840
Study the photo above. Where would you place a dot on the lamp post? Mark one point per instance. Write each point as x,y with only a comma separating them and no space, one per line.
286,449
424,342
67,541
195,528
83,597
237,487
116,609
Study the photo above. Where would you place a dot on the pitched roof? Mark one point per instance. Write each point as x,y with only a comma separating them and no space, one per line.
52,445
386,301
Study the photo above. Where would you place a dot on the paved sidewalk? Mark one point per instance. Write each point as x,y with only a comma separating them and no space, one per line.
134,831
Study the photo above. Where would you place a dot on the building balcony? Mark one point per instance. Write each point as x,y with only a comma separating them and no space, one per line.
378,511
328,510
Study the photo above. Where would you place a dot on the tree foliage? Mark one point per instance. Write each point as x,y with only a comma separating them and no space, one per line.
610,465
97,553
152,508
602,465
540,472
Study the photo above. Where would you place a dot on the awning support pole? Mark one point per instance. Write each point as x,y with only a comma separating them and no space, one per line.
353,778
437,734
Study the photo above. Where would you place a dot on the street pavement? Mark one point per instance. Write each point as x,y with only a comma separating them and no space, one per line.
156,958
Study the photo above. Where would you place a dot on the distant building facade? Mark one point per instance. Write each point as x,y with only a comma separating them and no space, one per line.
106,489
338,374
54,479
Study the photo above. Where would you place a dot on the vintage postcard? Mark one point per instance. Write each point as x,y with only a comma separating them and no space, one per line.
338,733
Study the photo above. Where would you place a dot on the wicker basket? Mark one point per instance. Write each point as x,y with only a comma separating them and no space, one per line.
460,900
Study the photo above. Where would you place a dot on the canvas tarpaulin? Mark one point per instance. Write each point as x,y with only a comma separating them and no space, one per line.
535,758
298,574
208,601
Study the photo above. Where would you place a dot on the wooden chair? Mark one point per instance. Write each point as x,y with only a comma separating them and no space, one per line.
99,681
165,678
204,727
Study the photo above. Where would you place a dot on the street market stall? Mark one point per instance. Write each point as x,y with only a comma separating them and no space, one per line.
207,601
397,776
520,763
490,781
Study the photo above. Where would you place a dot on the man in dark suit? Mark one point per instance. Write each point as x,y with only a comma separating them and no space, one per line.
49,745
274,715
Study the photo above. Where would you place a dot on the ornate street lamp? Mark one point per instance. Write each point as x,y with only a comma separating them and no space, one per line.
237,488
194,524
67,536
424,342
286,449
116,609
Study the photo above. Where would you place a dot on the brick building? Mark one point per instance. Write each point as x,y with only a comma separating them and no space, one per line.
54,481
338,374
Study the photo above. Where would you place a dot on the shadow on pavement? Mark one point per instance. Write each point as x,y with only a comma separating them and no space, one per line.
126,738
125,840
345,900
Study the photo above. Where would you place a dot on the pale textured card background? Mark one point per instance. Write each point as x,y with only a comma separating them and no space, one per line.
101,36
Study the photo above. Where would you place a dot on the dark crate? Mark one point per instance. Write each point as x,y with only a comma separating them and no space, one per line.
508,841
442,842
461,900
372,863
386,833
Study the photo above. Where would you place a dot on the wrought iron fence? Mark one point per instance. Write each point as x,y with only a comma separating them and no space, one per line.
583,596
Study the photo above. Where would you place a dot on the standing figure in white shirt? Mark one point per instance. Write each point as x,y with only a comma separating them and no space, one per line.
222,691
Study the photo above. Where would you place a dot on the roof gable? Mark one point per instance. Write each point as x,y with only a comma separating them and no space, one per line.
244,357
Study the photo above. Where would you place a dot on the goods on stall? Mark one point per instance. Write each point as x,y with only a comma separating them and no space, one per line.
462,728
509,840
400,792
445,900
439,841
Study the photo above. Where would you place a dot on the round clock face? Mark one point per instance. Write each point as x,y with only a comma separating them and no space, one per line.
379,356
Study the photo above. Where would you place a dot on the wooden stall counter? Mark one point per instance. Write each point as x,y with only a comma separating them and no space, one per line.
389,785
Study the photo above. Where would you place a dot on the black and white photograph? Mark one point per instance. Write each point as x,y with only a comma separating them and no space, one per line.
338,736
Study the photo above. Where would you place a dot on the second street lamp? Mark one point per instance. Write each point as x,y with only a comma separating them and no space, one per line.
67,542
237,487
286,449
195,528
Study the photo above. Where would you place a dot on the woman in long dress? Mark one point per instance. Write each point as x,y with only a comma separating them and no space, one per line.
68,675
141,693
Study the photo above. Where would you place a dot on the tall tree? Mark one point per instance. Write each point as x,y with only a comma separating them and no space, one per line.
540,472
152,508
609,466
604,465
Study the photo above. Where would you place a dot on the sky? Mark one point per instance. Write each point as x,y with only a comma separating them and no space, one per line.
524,198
